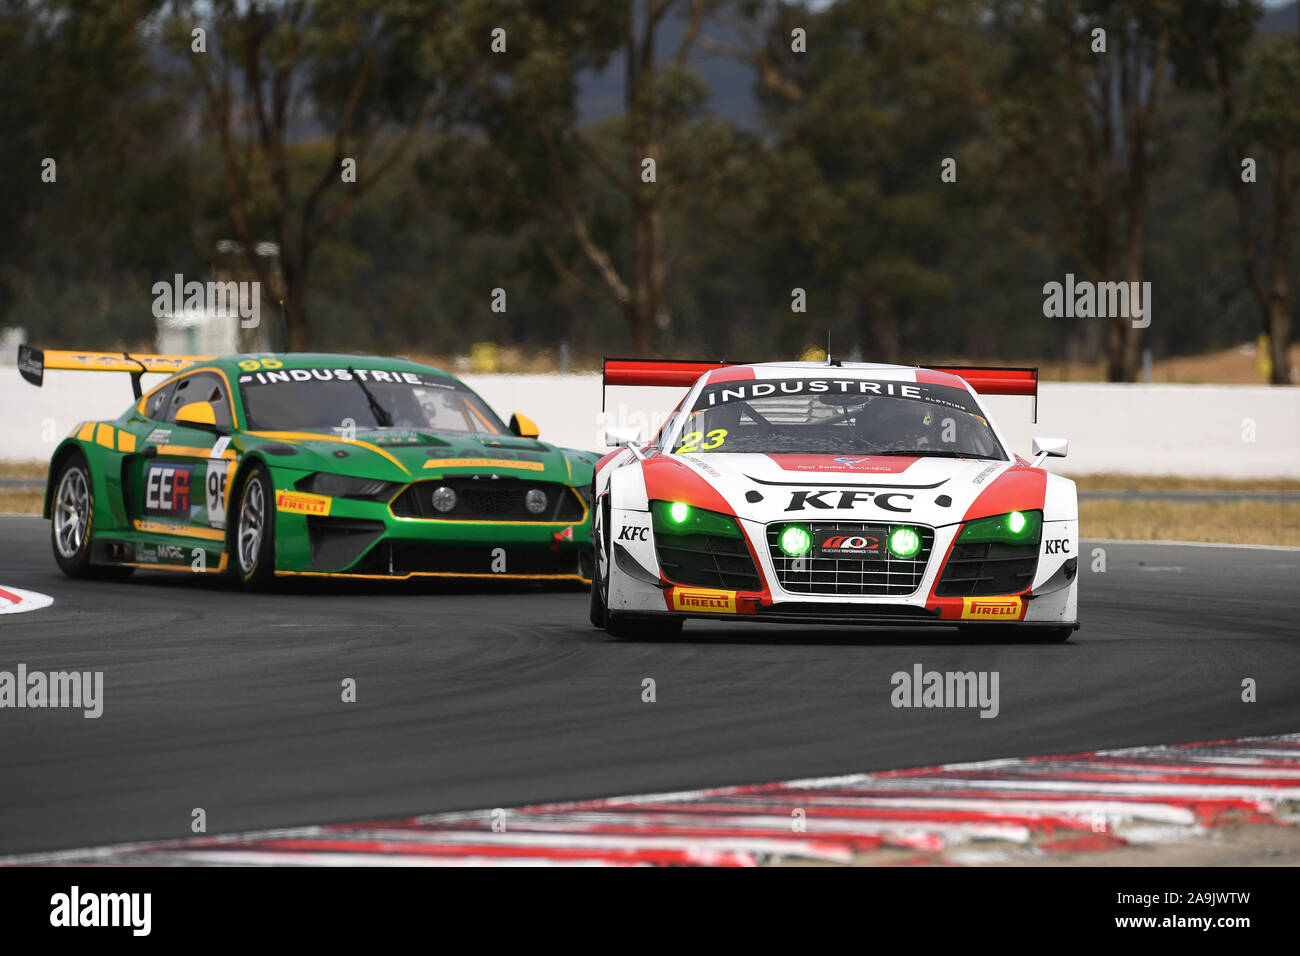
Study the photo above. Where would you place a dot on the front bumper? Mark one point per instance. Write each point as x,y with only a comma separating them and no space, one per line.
345,537
640,586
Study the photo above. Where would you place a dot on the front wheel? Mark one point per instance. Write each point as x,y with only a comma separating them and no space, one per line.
1017,635
648,627
598,613
254,538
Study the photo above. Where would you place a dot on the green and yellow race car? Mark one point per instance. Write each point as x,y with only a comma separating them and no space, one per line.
313,465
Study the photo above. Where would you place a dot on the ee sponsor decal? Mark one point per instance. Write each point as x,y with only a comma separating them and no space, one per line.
167,490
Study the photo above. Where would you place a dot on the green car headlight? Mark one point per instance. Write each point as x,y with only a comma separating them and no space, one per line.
677,517
1014,527
795,540
904,542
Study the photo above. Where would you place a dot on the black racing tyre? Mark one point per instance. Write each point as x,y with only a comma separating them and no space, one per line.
600,542
252,541
597,612
1016,635
72,520
648,627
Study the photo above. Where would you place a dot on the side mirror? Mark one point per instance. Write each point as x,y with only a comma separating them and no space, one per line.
198,414
523,426
618,437
1049,448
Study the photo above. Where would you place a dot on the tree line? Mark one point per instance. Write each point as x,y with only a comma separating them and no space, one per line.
907,178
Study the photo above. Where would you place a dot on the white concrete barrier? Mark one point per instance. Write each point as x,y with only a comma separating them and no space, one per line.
1217,431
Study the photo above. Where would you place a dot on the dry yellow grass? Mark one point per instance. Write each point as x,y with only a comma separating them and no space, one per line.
1231,366
34,470
15,501
1110,482
1227,522
21,502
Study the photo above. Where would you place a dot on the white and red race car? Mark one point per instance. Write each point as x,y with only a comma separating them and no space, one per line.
799,492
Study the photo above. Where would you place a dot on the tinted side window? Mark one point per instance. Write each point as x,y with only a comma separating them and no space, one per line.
203,387
156,408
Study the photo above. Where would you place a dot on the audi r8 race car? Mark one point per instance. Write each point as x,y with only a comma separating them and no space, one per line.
307,464
832,493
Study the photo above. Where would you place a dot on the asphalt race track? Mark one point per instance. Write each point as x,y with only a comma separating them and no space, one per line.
478,696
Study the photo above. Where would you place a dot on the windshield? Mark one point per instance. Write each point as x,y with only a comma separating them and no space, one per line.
838,416
321,398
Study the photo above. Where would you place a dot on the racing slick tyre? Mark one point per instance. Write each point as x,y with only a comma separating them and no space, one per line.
253,545
599,581
1049,635
631,627
1017,635
598,613
72,516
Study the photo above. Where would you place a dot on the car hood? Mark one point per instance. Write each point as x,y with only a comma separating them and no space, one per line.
764,488
409,454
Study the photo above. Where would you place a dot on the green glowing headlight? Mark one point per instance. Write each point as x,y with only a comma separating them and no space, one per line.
1014,527
904,542
795,541
677,518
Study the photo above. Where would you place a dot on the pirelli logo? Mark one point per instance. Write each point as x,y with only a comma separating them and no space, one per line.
301,503
705,601
992,608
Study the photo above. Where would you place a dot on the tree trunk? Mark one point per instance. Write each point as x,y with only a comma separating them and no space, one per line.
881,330
1278,309
1279,335
645,279
297,331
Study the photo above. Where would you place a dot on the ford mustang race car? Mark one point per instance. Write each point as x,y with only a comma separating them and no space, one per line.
832,493
315,465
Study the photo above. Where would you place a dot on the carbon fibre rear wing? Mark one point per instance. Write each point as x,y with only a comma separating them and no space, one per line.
985,379
33,362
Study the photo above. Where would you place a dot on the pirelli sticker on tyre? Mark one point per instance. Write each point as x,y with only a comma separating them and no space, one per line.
704,601
991,608
301,503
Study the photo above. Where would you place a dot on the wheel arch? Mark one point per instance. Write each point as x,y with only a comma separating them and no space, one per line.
67,448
